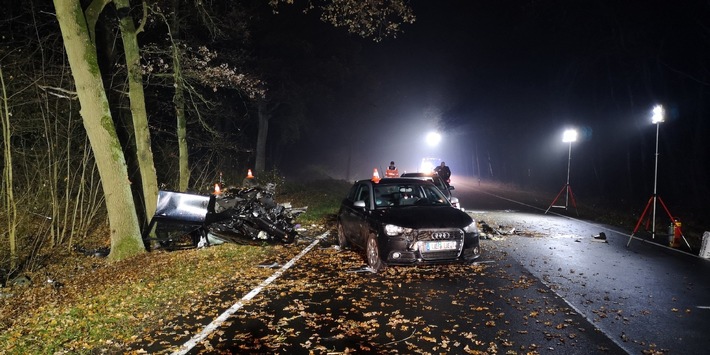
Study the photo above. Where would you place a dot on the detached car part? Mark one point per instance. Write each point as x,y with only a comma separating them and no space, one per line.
239,215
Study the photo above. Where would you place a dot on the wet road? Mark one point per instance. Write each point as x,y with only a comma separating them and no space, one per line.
644,297
547,288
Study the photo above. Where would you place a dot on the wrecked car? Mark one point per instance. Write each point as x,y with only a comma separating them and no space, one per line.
239,215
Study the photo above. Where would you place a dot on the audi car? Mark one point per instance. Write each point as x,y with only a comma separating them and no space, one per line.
405,221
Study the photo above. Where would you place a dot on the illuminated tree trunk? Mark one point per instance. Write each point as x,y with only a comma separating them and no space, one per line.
98,123
8,195
149,179
179,102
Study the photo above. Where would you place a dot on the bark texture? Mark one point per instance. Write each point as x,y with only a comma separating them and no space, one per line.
99,125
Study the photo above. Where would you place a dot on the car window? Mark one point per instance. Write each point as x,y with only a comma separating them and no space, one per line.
440,184
363,193
352,193
395,195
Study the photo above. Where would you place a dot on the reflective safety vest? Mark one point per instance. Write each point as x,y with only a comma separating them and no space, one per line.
390,173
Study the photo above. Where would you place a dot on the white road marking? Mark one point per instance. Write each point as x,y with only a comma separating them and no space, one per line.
224,316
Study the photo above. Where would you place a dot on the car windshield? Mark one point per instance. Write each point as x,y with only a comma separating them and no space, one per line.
408,194
435,179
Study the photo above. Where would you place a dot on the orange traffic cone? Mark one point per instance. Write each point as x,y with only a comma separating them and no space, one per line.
249,175
375,176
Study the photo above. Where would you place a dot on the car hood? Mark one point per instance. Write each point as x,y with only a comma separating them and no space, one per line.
424,217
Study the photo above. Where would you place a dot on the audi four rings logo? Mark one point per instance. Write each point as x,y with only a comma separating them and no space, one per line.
440,235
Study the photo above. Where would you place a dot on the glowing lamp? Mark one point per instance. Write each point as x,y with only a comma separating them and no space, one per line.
433,138
659,114
569,136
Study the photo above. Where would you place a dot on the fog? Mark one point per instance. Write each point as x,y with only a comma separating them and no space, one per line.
502,80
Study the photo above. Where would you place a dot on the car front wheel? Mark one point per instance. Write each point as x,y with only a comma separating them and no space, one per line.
372,253
342,240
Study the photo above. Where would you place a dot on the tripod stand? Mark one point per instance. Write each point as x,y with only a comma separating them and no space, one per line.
569,196
657,118
653,223
569,136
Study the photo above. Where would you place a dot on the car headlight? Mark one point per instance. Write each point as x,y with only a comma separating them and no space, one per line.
471,228
391,229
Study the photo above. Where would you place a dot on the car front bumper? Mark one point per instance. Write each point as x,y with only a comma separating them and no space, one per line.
432,247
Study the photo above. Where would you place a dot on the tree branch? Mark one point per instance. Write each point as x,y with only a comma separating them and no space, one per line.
92,16
144,19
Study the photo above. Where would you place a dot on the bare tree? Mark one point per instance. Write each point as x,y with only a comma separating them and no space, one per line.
7,176
98,122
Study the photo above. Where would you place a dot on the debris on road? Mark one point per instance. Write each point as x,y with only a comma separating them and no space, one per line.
237,215
601,237
487,231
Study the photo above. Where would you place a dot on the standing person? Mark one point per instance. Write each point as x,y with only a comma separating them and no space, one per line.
391,171
444,172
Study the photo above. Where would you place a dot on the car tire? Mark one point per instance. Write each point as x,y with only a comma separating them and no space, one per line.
342,239
372,254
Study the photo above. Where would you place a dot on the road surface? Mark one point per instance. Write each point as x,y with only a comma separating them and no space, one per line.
544,285
644,296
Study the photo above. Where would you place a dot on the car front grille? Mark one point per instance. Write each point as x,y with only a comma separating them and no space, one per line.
426,237
440,234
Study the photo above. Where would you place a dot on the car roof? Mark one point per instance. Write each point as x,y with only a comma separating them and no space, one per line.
418,174
398,180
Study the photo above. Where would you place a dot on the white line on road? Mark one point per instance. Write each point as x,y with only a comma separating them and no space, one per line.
224,316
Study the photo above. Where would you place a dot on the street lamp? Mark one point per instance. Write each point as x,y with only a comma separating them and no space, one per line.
569,136
657,117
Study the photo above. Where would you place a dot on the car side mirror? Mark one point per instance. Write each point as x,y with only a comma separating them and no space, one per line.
451,187
359,204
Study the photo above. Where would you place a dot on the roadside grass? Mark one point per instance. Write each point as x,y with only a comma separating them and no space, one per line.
323,198
96,304
102,303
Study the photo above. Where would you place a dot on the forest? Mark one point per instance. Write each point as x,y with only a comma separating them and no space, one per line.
104,103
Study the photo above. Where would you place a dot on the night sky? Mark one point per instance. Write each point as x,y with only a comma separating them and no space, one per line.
502,80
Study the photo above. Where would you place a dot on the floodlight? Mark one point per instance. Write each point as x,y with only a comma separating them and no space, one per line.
569,136
659,114
433,138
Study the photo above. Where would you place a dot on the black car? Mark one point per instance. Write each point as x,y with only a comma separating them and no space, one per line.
405,221
439,182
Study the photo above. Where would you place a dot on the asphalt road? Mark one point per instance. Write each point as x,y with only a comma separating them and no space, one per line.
543,286
646,297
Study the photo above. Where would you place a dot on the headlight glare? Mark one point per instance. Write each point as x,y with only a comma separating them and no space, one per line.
392,229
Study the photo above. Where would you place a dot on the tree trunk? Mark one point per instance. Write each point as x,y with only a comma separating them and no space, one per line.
149,179
7,176
179,102
98,123
262,133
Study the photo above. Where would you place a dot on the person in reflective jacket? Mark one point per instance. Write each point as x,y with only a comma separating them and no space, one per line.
391,171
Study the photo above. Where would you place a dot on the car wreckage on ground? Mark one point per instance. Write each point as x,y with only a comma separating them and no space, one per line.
247,215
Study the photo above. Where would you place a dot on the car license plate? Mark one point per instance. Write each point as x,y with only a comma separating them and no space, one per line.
442,245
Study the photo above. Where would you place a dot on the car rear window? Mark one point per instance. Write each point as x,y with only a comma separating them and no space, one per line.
407,194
